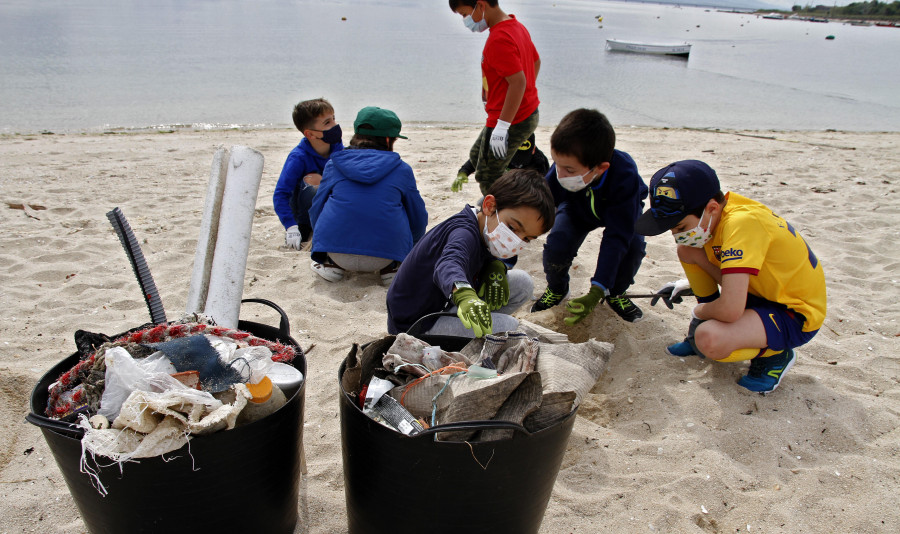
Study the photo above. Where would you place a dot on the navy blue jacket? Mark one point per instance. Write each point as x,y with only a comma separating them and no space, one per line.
367,203
453,251
302,160
613,201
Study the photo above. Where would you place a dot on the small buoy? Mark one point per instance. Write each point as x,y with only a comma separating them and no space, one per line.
343,18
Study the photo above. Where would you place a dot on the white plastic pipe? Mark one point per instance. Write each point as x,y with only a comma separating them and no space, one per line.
226,278
209,228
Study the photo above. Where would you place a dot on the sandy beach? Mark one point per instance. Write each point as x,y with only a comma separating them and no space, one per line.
661,444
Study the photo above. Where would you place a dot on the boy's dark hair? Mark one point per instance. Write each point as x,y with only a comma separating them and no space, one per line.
525,187
718,197
371,141
454,4
585,134
306,112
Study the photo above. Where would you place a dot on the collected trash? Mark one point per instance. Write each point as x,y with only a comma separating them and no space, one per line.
236,385
408,385
146,393
496,417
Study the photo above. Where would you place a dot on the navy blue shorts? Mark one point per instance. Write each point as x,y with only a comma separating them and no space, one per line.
784,327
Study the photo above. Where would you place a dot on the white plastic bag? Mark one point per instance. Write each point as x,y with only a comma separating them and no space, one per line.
125,375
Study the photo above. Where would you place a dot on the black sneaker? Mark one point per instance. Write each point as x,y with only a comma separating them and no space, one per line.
625,308
548,300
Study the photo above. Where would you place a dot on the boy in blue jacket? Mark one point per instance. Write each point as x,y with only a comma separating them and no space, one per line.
593,186
367,212
461,264
303,168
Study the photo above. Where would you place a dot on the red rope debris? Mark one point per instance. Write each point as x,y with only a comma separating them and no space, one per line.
164,332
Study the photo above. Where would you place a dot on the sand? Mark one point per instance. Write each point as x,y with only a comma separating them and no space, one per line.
661,443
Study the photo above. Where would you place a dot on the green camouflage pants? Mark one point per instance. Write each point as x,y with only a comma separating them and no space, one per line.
487,167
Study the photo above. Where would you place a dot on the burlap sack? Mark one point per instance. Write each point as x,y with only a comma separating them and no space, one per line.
152,424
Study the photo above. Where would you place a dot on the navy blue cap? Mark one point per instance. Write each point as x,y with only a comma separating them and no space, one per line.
676,190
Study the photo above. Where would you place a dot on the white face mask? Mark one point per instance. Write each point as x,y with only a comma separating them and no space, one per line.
572,183
476,27
502,242
695,237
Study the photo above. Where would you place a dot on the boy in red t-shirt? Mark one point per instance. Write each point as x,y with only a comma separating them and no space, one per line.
509,68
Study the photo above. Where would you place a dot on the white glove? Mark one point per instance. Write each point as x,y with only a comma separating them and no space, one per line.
499,139
292,237
673,292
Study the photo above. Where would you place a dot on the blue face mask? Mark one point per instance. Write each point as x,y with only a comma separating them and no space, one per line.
333,135
476,27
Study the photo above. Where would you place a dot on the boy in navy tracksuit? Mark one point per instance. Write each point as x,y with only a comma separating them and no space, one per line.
302,171
593,186
460,265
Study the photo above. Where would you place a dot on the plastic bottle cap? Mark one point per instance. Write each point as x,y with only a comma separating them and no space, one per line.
261,391
285,376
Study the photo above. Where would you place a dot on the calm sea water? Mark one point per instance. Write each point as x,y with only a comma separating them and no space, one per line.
97,64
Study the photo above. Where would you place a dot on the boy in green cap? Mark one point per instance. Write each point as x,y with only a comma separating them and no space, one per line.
368,212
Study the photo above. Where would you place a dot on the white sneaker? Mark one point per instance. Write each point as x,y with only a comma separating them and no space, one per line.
387,274
328,271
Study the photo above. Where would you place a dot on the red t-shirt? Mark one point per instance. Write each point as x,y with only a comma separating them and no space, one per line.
507,51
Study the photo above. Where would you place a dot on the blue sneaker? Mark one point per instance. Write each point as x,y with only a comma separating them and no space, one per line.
766,373
681,349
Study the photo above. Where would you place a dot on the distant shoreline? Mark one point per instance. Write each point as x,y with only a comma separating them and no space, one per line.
438,125
724,9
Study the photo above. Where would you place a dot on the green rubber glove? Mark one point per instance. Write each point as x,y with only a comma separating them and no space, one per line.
461,178
472,311
583,306
494,289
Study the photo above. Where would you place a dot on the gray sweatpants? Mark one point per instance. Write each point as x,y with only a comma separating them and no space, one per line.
521,290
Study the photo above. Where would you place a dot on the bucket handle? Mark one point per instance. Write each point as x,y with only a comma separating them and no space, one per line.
416,326
283,326
474,426
55,424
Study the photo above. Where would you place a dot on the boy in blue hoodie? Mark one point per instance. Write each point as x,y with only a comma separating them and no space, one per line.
303,168
367,212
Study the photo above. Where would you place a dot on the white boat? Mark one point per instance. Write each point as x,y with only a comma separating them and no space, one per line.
677,49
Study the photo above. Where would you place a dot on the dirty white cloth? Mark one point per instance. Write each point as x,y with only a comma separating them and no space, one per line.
155,423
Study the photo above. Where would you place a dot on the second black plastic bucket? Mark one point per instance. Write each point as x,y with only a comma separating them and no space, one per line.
240,480
399,484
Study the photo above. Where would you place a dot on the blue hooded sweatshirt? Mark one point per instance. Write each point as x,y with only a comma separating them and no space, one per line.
302,160
367,204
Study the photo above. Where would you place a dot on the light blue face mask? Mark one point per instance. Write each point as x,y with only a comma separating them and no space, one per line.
476,27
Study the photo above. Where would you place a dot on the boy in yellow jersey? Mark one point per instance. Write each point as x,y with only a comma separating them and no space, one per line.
760,288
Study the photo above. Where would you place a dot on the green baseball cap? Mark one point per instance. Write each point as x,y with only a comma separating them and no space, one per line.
377,122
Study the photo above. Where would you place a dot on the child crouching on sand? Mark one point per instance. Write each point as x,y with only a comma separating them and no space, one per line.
760,287
470,250
367,212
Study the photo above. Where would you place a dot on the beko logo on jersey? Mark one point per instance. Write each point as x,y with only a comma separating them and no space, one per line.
731,254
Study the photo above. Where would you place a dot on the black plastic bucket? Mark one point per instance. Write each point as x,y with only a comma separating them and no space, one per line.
400,484
240,480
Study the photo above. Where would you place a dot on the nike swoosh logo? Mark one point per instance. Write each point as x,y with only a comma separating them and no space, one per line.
772,317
